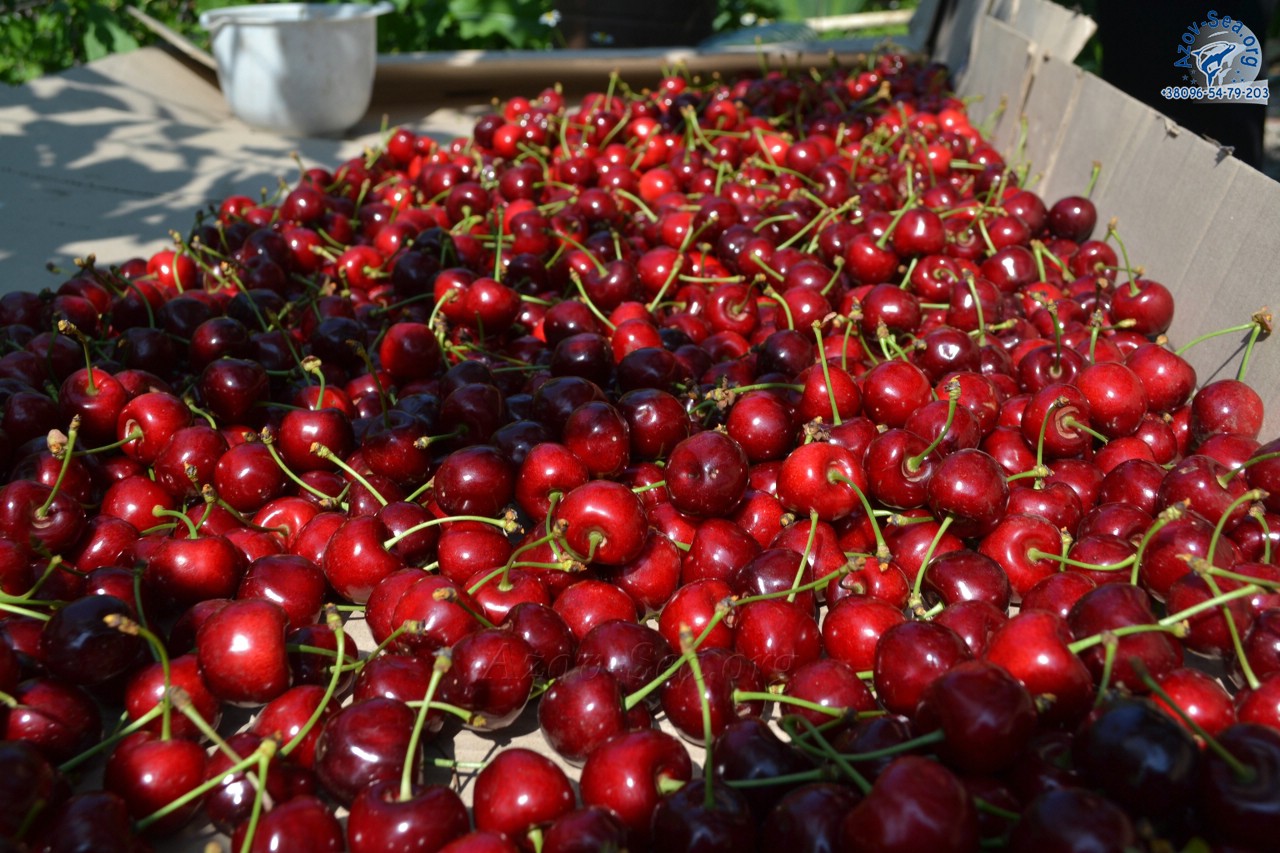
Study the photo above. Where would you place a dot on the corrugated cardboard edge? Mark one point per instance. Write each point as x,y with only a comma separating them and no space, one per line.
1198,221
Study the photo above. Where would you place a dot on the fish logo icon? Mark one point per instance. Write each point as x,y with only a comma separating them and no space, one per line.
1214,60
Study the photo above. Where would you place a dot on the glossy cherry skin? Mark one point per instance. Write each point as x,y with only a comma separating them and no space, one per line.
362,744
518,790
28,783
633,653
1033,647
749,749
626,774
491,676
777,635
585,830
92,820
910,656
428,819
580,711
808,818
79,646
241,651
852,629
985,714
915,801
724,674
821,478
605,522
546,632
1072,819
356,559
1200,696
683,821
1142,759
831,684
706,474
304,823
150,773
892,390
970,486
965,575
1113,606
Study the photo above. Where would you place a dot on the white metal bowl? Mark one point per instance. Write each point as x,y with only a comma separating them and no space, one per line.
304,69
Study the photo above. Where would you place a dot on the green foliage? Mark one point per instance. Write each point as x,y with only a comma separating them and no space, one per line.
466,24
42,36
36,38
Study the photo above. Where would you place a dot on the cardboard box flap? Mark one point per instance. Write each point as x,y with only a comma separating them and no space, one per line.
1055,29
997,79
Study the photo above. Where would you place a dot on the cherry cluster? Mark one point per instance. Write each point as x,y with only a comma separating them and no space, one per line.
774,415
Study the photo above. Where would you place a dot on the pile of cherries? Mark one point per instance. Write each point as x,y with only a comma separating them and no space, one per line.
773,415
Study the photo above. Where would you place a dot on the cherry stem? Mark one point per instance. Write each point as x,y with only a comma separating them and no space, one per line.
824,748
1124,253
977,304
1071,422
318,449
450,595
66,450
1167,515
649,487
298,481
1226,479
913,463
818,774
826,374
582,291
110,740
784,699
267,749
461,713
1204,568
689,653
6,607
1260,516
935,736
264,757
671,277
787,593
1261,327
1093,178
125,625
1037,554
442,663
134,434
916,600
1243,772
882,547
1243,327
28,597
1248,497
160,512
334,623
907,204
782,305
1176,628
506,524
633,699
805,554
1110,645
69,329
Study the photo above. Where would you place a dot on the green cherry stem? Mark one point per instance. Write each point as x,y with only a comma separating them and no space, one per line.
916,601
318,449
1239,769
443,661
334,622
